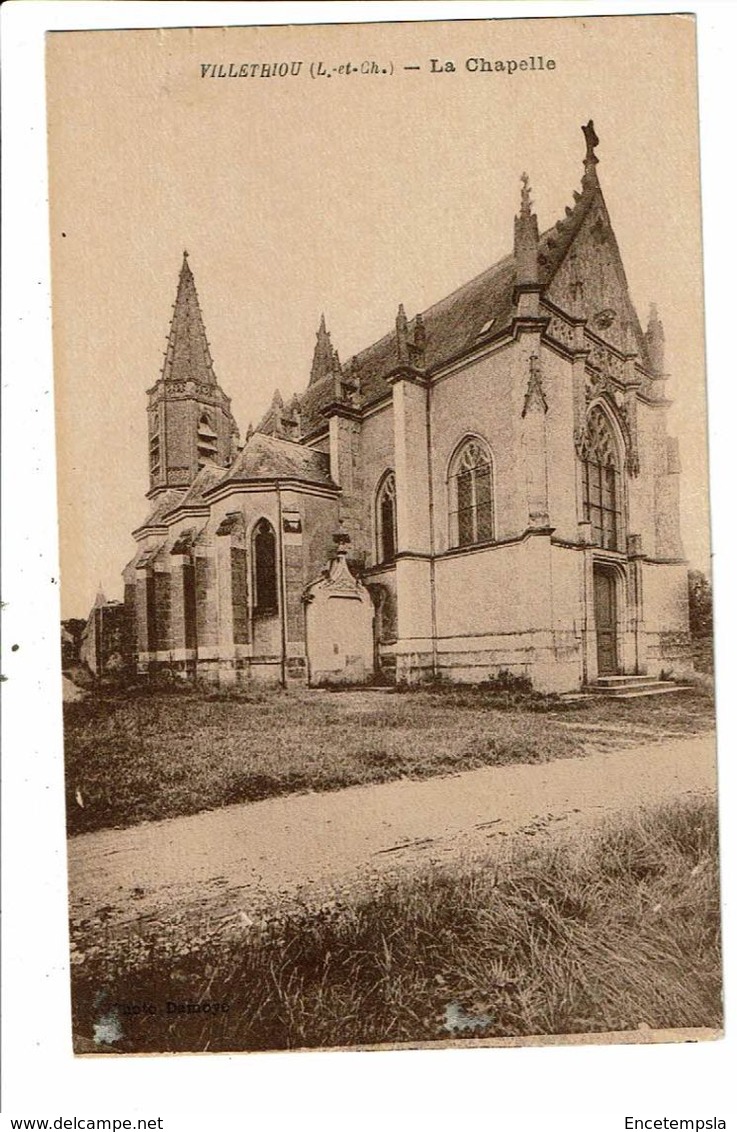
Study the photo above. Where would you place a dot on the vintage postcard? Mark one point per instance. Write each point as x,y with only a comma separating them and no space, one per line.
383,501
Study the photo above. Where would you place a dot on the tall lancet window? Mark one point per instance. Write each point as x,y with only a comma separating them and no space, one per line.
386,519
471,494
263,557
602,481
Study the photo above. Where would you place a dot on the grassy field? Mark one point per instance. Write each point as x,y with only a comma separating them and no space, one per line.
146,755
616,929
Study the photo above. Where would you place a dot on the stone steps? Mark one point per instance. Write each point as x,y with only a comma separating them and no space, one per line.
629,687
619,680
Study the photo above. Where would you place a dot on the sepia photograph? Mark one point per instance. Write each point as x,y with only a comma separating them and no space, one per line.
386,597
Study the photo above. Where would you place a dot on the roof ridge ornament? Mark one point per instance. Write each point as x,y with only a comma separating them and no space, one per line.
526,237
402,330
590,161
325,360
526,202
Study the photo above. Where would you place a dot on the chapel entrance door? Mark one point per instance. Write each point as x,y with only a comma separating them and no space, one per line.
605,611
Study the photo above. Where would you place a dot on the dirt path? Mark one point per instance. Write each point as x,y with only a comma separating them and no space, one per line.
225,865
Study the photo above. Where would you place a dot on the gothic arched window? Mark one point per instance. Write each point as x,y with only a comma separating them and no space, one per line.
386,519
263,557
471,494
602,481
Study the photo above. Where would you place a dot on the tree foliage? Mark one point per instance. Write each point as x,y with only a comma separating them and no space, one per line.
700,604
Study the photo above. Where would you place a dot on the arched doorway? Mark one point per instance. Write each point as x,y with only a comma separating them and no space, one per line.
605,615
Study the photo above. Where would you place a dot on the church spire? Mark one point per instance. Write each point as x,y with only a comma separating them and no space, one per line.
325,360
189,419
187,356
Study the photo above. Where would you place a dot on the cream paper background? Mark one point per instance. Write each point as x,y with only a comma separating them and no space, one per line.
551,1088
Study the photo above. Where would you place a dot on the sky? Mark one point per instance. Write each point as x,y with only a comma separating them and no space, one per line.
296,196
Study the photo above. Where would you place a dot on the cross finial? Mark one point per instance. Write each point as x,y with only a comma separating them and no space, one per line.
186,254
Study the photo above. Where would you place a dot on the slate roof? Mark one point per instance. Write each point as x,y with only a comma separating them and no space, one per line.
148,555
163,503
185,542
451,326
481,308
315,398
459,321
187,356
207,477
270,457
263,457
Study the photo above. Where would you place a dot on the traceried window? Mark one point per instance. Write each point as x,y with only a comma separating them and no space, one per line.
601,480
263,550
471,495
386,519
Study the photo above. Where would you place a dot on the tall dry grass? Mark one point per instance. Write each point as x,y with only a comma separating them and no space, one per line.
132,758
613,930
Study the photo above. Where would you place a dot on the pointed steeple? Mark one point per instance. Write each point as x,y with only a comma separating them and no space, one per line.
189,418
325,360
187,356
526,237
278,420
655,338
402,327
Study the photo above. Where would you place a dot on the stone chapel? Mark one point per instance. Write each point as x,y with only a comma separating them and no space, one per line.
489,488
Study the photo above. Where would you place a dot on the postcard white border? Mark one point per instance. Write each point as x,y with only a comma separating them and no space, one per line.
579,1088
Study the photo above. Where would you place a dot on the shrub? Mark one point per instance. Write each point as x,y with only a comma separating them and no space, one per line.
700,604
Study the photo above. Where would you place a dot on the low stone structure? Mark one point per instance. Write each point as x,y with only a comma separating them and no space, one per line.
106,645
